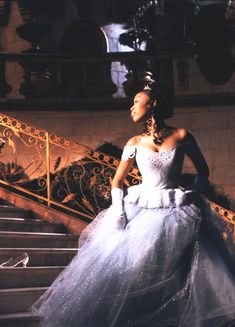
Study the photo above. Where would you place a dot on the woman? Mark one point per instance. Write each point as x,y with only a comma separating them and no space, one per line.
146,261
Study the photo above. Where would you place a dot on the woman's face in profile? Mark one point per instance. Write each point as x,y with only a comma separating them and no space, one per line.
140,107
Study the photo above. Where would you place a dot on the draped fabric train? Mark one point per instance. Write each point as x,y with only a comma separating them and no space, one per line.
163,269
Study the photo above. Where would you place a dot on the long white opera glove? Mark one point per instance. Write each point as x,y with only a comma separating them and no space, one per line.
200,183
118,214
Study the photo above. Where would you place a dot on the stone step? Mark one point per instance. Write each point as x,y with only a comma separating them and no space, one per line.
14,212
41,256
19,299
37,240
21,319
29,225
28,277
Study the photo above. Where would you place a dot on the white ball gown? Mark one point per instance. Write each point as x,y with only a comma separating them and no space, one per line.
163,269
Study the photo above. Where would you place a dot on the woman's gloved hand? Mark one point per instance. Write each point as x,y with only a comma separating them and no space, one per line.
117,208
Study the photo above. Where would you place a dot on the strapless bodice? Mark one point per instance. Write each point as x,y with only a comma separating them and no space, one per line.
158,169
160,173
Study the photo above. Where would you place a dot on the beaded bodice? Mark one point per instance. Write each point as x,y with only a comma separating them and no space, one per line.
160,177
158,169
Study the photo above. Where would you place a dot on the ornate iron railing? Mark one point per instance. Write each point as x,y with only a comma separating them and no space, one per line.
63,174
56,171
227,220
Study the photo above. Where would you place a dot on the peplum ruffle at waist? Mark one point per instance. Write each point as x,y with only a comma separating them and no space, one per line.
154,197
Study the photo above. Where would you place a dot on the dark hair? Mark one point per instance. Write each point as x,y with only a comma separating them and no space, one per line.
162,107
164,96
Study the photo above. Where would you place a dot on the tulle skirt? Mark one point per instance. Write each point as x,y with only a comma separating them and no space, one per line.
163,269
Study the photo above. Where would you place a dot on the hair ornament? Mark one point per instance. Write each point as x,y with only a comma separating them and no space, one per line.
149,81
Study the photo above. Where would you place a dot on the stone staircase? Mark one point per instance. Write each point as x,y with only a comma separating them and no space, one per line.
49,249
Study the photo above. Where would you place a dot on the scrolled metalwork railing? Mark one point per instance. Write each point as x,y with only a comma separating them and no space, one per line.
56,171
65,175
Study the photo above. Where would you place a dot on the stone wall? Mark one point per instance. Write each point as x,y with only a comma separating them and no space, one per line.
213,128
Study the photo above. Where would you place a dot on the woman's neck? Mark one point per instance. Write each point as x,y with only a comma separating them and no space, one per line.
156,126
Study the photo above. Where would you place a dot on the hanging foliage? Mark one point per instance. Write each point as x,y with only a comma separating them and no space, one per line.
143,23
133,16
134,38
121,11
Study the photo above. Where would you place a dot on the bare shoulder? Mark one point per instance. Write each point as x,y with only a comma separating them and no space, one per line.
134,140
183,135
